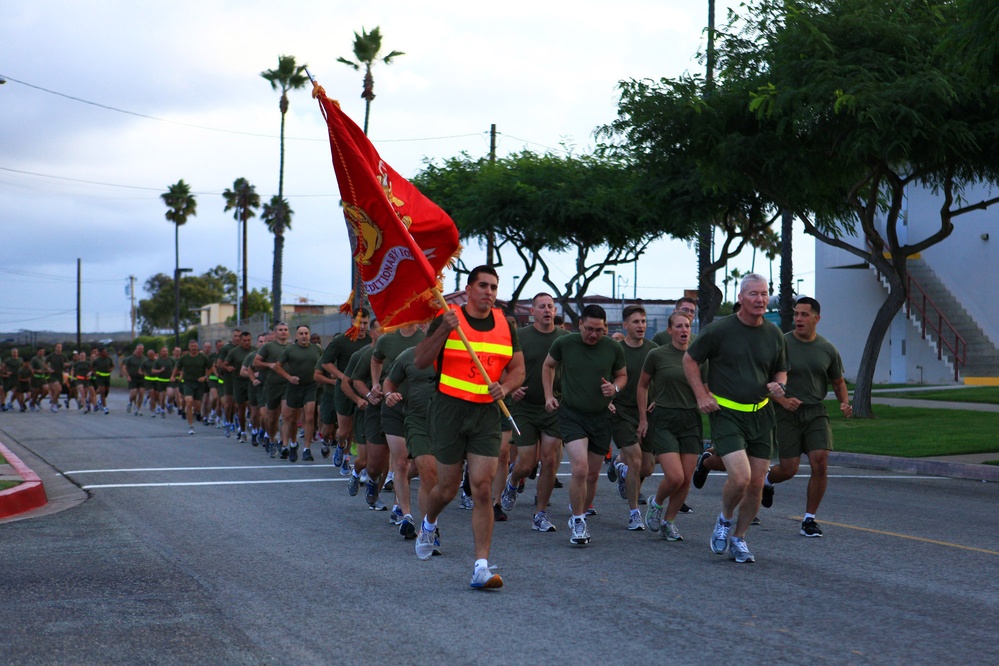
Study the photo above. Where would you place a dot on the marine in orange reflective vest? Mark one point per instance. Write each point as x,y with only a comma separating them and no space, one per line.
464,418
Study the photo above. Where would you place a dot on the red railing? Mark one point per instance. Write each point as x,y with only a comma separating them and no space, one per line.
931,317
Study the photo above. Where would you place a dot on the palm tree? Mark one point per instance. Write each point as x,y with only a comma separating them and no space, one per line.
287,76
181,205
277,216
244,199
366,48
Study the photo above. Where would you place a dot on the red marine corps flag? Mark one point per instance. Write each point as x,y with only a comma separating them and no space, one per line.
401,240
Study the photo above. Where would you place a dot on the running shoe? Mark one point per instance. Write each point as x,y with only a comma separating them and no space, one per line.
700,472
810,528
768,496
389,482
521,486
557,484
719,538
324,451
635,523
253,439
756,521
106,410
128,410
284,452
437,541
353,485
612,472
590,511
580,536
378,506
338,455
293,452
190,431
406,528
621,488
395,516
425,544
228,433
499,515
541,523
371,492
686,509
483,578
345,467
508,499
307,455
465,502
653,516
534,472
669,532
739,551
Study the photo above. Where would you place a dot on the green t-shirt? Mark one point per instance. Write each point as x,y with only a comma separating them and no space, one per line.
163,368
12,365
103,365
361,369
269,353
743,359
193,367
25,373
81,369
535,346
634,359
390,345
133,366
223,357
58,364
147,367
38,366
299,361
669,388
811,366
339,351
662,338
237,358
417,386
583,368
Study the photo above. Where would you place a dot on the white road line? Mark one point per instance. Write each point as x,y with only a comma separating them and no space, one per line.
204,483
192,469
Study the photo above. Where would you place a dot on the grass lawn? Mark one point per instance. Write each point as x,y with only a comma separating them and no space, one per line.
911,432
981,394
4,485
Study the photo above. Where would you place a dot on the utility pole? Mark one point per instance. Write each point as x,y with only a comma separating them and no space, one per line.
131,293
491,239
705,233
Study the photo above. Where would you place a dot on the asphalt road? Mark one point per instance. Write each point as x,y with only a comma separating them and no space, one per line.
193,550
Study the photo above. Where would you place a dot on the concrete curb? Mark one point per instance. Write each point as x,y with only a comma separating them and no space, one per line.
25,496
916,466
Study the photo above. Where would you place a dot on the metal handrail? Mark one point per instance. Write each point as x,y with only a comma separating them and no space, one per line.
926,307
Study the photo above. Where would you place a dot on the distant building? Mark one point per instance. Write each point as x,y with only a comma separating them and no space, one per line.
955,287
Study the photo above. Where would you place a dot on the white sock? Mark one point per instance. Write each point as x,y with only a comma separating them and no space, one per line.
480,564
427,526
809,515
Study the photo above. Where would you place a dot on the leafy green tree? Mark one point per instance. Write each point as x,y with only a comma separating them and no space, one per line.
276,215
155,313
538,205
367,46
242,198
287,76
181,204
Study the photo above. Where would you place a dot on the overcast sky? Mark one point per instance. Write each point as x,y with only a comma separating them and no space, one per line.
78,180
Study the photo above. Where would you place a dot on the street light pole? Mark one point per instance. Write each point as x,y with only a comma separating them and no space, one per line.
613,275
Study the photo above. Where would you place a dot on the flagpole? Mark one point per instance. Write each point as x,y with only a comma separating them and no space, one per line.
478,364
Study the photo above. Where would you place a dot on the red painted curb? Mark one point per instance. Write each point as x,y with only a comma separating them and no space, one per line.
23,497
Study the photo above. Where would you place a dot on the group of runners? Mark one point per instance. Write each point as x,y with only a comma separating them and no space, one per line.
417,403
26,382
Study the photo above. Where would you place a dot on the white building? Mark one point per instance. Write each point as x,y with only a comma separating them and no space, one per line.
960,276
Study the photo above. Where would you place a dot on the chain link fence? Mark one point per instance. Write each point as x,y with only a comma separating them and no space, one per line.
325,326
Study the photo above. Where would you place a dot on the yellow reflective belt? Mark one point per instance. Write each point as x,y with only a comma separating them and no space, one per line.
102,374
740,407
485,347
149,379
462,385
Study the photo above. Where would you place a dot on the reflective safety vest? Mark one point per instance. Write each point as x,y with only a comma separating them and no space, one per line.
460,378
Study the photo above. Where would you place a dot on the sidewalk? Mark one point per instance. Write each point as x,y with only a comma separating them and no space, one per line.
25,496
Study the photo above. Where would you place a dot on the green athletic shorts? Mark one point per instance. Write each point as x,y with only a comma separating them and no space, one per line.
297,396
393,420
373,433
803,430
674,431
624,425
752,432
196,390
240,391
327,411
274,394
595,427
533,421
418,436
459,427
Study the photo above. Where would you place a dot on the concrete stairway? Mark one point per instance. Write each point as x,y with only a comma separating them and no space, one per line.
982,356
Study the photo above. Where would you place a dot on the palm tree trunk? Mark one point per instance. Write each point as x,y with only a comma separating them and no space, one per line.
246,298
786,272
176,285
276,279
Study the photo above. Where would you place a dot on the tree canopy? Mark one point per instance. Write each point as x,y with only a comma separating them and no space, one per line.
537,205
217,285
